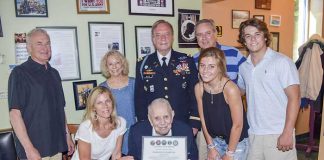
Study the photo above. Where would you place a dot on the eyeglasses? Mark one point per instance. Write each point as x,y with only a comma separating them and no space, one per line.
257,36
206,34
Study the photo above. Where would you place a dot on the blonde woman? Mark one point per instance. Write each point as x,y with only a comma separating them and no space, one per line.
100,134
114,67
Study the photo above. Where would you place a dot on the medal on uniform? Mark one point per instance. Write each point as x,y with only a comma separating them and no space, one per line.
184,85
151,88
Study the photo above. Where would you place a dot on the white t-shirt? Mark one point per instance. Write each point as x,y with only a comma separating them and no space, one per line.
264,85
101,148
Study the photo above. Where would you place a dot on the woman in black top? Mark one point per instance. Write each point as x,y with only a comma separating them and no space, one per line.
220,108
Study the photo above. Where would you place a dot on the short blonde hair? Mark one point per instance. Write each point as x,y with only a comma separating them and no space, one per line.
117,54
90,113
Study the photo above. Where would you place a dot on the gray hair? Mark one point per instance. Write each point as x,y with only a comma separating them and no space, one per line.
206,21
34,31
160,101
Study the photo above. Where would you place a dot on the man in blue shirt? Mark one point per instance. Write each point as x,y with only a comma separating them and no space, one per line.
206,37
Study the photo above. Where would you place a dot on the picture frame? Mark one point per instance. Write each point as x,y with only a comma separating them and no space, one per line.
144,44
275,41
1,32
275,20
260,17
81,91
239,16
105,36
151,8
65,51
263,4
187,19
93,7
219,30
24,8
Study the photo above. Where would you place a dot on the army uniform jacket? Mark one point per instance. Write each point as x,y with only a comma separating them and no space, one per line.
176,84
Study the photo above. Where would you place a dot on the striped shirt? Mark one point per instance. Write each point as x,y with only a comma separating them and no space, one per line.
234,59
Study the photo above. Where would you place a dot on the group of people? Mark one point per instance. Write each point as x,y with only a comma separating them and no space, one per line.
173,94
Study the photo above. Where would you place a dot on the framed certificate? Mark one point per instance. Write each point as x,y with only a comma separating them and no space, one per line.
164,148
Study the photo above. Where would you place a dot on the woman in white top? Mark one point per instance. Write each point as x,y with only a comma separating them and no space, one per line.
100,134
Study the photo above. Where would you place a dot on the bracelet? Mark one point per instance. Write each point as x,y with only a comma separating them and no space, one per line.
210,146
229,153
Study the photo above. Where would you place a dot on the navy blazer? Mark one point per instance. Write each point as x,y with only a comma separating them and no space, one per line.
176,84
144,128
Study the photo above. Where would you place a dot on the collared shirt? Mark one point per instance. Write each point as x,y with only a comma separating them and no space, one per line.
156,134
234,58
167,56
264,85
37,92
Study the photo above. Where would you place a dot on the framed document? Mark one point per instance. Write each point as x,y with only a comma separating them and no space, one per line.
144,44
105,36
164,148
65,52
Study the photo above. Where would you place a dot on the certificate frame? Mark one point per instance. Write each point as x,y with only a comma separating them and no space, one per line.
105,36
65,51
144,44
95,7
24,9
275,41
159,8
239,16
155,146
81,91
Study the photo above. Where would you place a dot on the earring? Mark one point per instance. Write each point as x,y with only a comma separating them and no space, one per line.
95,116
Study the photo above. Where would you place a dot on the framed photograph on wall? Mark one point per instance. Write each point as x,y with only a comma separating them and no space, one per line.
275,20
275,41
239,16
95,7
151,8
260,17
81,90
65,51
263,4
219,30
144,45
105,36
34,8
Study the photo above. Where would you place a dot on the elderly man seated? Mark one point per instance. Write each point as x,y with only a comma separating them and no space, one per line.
160,123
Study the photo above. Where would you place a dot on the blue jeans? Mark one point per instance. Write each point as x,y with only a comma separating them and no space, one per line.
241,148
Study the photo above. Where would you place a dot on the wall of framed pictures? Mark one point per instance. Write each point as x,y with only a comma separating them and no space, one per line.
17,18
279,15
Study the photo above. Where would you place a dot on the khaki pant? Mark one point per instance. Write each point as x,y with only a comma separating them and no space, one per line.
202,146
264,147
57,156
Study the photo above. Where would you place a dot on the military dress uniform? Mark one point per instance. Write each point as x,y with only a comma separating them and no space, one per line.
175,83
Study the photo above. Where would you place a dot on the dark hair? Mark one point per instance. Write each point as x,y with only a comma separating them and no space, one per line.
260,25
219,57
160,22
